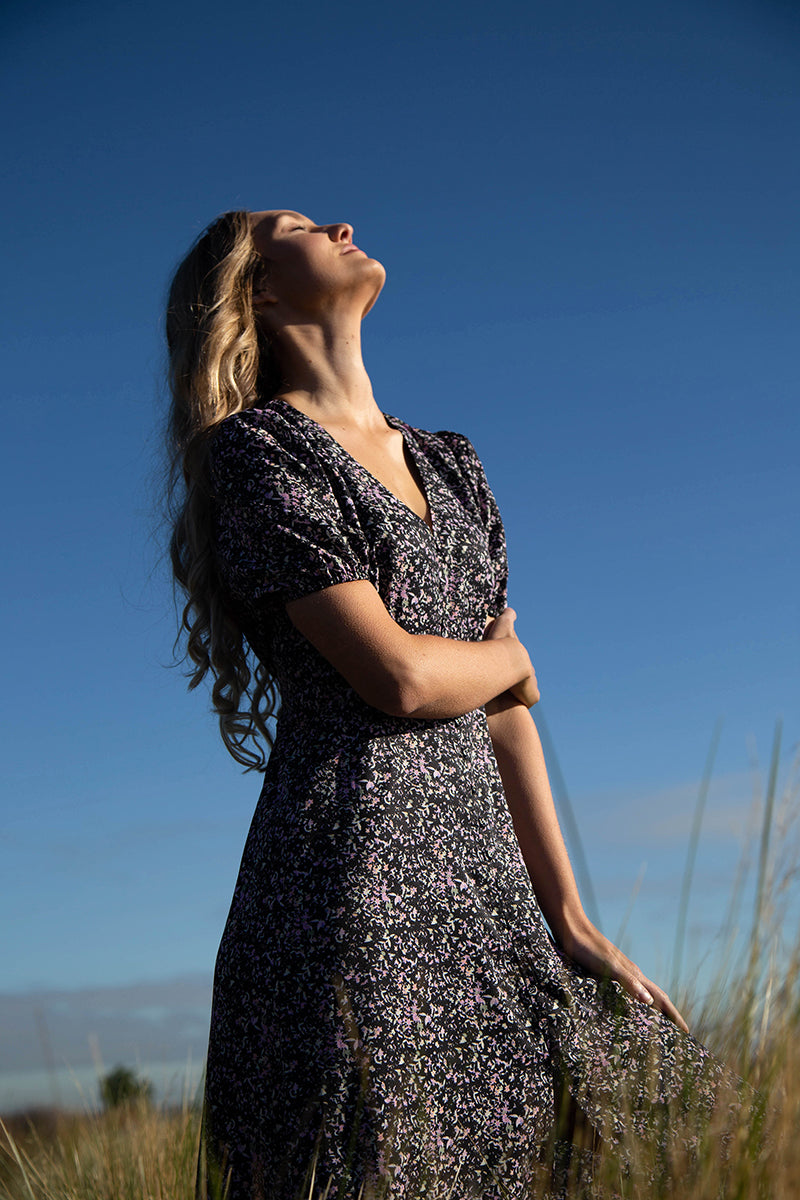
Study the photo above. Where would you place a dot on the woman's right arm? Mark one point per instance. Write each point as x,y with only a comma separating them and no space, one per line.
410,674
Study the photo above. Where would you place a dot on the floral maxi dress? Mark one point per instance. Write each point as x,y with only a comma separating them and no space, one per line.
388,1002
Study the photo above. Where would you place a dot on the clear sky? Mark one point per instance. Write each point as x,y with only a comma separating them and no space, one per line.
588,213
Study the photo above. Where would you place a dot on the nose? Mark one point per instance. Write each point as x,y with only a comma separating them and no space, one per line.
341,232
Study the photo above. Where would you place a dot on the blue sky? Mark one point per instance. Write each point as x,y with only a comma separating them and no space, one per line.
588,216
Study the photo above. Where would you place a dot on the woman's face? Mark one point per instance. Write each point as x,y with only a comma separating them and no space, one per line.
311,268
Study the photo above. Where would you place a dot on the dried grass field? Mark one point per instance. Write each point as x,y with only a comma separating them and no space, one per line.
138,1151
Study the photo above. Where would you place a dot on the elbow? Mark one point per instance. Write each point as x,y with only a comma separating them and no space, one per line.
399,693
390,675
408,702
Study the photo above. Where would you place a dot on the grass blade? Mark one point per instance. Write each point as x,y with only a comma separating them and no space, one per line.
691,855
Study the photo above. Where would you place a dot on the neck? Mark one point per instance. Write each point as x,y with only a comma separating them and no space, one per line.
324,374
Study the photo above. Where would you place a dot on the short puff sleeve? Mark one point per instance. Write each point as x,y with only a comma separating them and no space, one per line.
280,532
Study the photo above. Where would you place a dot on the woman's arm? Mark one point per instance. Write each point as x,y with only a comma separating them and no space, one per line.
518,751
407,674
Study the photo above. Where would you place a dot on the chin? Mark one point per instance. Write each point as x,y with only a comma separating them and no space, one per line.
378,288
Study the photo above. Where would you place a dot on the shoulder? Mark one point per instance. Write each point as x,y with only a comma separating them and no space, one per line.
450,452
444,444
249,446
456,460
251,428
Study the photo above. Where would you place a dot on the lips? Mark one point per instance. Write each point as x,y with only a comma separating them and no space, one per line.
351,249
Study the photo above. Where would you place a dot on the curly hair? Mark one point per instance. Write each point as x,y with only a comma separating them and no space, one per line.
220,362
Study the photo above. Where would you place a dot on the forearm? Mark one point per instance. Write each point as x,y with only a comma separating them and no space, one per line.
520,760
522,769
401,673
442,677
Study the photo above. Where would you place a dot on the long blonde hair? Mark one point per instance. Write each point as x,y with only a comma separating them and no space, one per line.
220,363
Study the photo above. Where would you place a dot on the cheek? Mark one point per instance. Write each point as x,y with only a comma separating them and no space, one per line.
308,273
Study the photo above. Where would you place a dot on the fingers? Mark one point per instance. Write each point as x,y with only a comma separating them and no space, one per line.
527,691
601,957
641,988
651,994
665,1005
502,626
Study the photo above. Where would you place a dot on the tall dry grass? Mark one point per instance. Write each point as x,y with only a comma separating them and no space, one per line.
136,1152
751,1020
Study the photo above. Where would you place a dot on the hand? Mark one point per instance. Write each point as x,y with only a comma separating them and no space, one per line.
527,690
597,954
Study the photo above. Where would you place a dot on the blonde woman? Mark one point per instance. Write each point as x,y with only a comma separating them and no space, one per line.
389,1008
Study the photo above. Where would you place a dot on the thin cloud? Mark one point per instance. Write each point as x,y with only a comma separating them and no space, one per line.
666,815
137,1021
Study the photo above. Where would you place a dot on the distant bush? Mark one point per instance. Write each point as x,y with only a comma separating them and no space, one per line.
123,1086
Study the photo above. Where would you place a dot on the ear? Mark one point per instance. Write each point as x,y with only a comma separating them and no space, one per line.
263,296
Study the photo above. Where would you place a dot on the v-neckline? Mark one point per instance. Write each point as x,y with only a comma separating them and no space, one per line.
419,462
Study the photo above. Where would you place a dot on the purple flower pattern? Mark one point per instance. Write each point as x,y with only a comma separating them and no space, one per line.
386,993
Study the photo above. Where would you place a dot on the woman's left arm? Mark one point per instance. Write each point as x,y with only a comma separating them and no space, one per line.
520,759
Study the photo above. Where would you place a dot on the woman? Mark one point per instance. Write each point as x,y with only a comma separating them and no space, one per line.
388,1003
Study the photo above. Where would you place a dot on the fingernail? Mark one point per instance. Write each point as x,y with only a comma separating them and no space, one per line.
645,995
